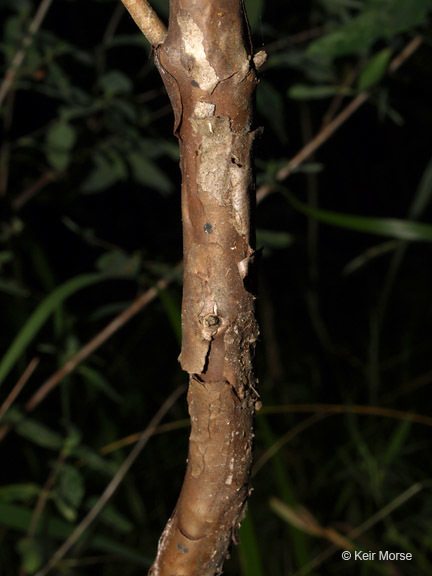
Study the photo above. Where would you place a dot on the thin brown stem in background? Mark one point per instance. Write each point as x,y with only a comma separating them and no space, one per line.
119,321
338,121
13,394
17,60
26,195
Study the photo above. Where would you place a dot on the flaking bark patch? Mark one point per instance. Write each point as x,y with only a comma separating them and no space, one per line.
214,157
199,301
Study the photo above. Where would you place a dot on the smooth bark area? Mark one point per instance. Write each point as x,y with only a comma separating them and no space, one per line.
207,66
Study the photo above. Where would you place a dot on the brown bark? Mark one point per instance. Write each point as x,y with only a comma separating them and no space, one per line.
208,70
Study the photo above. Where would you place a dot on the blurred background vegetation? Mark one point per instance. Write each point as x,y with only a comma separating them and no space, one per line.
90,221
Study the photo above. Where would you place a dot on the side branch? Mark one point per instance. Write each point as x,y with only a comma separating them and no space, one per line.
147,20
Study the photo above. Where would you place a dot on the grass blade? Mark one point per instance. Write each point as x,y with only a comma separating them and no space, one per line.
392,227
40,316
250,557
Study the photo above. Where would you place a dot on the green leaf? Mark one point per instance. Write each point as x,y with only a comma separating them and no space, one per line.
68,512
19,518
19,492
96,379
148,173
112,517
307,92
119,263
95,461
106,172
423,193
273,238
374,70
60,140
115,82
39,434
419,204
31,555
402,15
401,229
40,316
72,441
11,286
378,19
70,485
355,37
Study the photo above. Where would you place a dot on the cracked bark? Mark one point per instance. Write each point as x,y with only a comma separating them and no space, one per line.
208,69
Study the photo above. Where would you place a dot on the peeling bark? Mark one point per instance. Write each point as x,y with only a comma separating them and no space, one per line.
207,66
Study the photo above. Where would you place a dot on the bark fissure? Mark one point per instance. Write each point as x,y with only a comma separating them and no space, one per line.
207,66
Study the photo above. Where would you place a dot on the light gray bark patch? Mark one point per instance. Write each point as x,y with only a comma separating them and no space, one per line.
204,109
215,157
193,40
240,179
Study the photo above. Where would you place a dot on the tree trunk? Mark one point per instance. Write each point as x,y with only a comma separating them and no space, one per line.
206,64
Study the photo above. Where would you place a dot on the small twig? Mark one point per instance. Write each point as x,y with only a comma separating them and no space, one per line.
337,122
114,484
147,20
290,435
406,53
349,409
132,438
111,28
13,394
113,24
6,145
322,136
367,525
336,103
33,189
17,60
43,497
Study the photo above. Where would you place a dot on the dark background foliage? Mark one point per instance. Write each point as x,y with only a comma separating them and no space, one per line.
89,200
